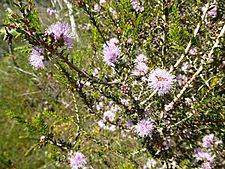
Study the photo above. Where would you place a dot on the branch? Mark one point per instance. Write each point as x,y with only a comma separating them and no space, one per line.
171,104
190,42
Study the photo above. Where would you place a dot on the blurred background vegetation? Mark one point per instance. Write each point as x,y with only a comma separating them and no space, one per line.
28,92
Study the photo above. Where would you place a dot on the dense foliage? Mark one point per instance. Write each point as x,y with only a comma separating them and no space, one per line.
138,84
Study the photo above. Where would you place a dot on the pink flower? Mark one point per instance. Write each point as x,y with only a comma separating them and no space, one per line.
206,165
77,160
125,102
113,41
201,155
151,163
61,31
211,11
97,8
51,11
140,69
136,6
141,58
193,51
36,58
208,141
144,127
102,2
108,116
186,66
181,79
111,52
161,81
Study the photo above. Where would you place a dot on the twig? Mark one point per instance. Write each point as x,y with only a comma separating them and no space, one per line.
94,22
170,105
189,116
25,72
151,95
165,20
24,94
217,42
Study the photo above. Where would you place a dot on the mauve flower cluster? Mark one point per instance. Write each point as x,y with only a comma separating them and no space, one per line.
151,163
202,155
51,11
111,52
102,2
140,67
206,155
209,140
136,6
77,160
61,31
161,81
181,79
211,12
144,127
108,117
186,66
36,58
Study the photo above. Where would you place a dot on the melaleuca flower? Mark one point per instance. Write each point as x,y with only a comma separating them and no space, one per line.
181,79
151,163
211,11
61,31
108,116
125,88
102,124
136,6
111,52
201,155
113,41
96,8
51,11
102,2
125,102
144,127
186,66
140,69
208,141
161,81
36,58
113,12
141,58
77,160
193,51
206,165
130,124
